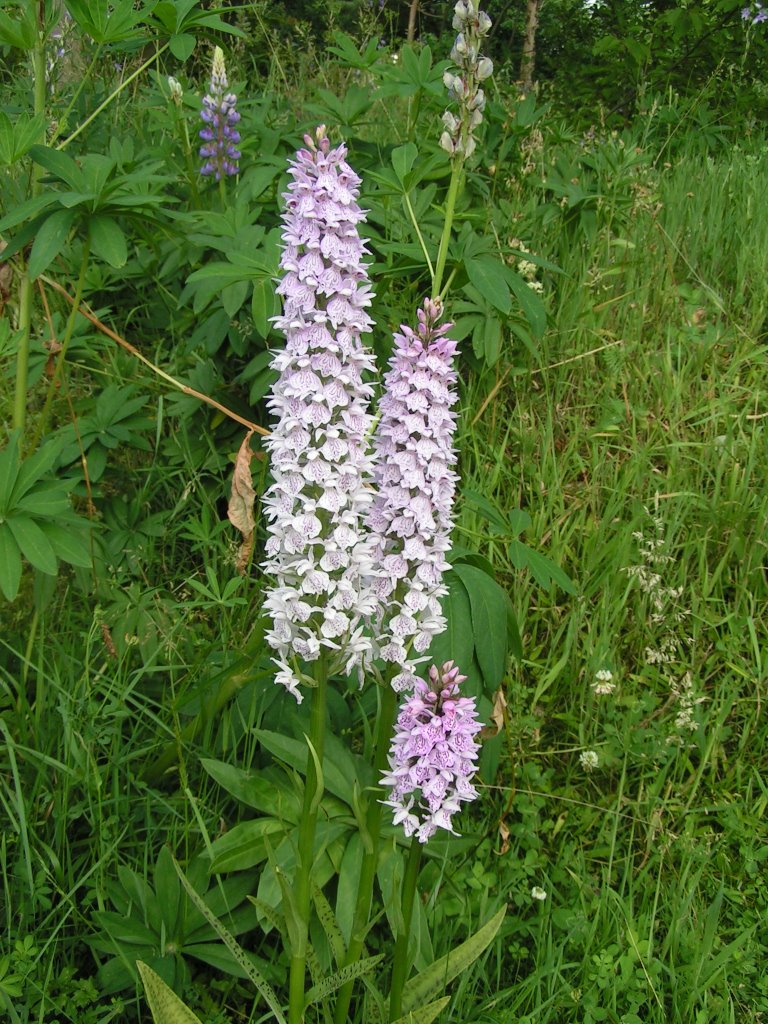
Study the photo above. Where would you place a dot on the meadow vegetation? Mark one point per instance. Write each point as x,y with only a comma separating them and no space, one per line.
608,598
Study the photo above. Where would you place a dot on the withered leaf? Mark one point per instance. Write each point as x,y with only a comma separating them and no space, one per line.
241,502
497,716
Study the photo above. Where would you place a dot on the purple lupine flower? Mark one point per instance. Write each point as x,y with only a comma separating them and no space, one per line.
319,551
433,757
219,134
411,517
755,13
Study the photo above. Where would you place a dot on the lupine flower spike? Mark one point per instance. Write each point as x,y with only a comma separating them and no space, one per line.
411,517
318,551
472,26
219,134
433,757
755,13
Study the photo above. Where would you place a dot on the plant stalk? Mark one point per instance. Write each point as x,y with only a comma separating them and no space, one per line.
25,287
113,95
371,856
42,424
307,828
445,239
400,963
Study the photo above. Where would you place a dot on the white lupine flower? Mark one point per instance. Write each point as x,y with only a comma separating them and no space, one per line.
472,26
318,551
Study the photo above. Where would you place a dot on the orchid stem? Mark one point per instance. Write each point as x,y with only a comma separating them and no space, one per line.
371,855
307,828
400,963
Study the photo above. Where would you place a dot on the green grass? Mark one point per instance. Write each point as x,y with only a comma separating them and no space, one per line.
651,861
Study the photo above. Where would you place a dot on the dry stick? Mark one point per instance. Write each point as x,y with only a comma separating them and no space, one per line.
156,369
83,460
544,369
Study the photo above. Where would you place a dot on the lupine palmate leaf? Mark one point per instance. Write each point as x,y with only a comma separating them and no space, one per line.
235,949
425,1014
434,978
165,1005
335,981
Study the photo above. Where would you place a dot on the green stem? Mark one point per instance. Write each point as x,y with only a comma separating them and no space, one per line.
192,171
371,856
445,239
307,827
25,289
223,194
62,120
113,95
400,963
417,229
42,425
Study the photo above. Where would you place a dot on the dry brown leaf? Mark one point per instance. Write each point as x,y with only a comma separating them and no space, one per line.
497,716
241,501
504,833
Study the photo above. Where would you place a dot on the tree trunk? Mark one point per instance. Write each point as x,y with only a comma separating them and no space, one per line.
528,60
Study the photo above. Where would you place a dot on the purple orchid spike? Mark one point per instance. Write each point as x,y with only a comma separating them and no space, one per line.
433,757
318,552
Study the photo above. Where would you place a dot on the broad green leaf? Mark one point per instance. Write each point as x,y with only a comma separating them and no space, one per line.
44,502
69,545
9,469
433,980
7,140
19,32
256,789
244,845
26,131
233,296
108,241
50,240
33,543
487,275
27,210
543,569
491,340
60,165
402,160
263,305
235,949
10,563
33,469
294,753
182,45
530,303
488,604
456,642
485,507
426,1014
165,1005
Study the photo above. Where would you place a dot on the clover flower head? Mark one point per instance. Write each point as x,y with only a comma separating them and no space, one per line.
412,514
318,551
219,134
463,84
433,756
